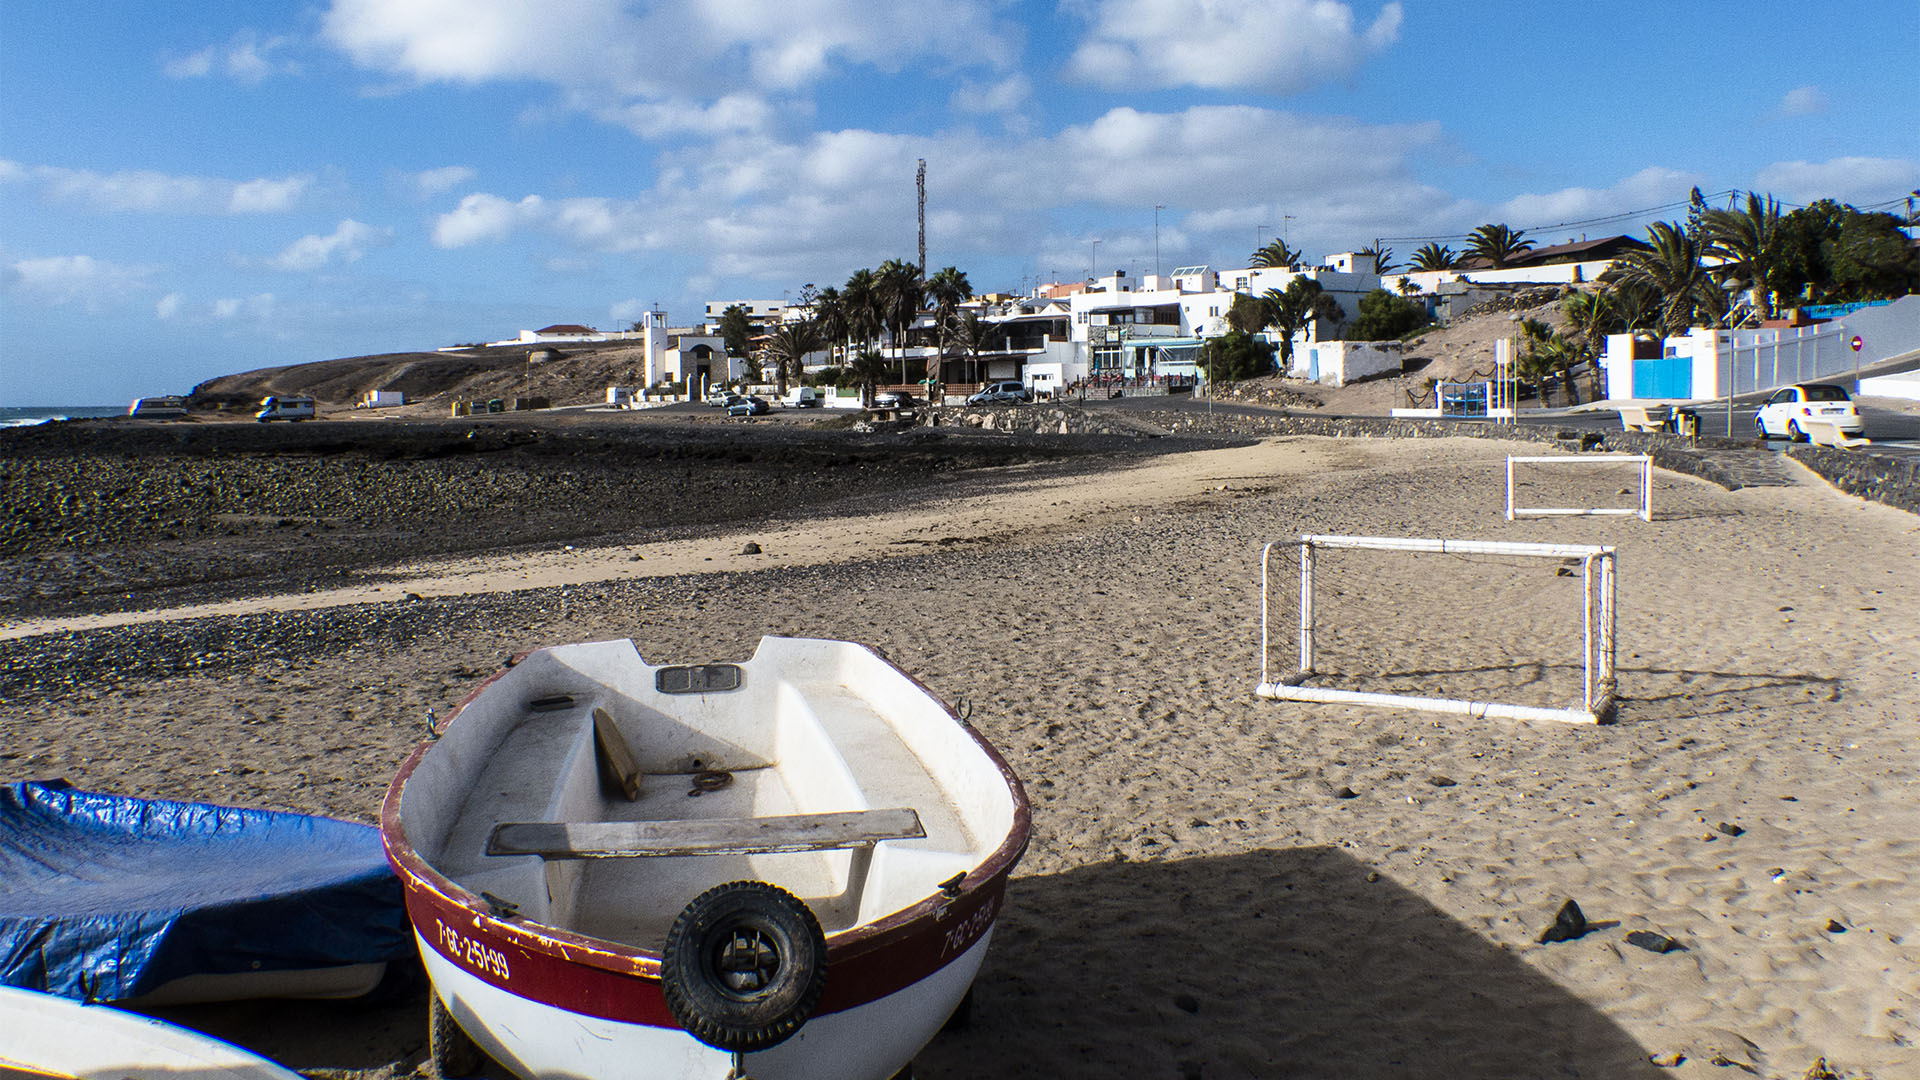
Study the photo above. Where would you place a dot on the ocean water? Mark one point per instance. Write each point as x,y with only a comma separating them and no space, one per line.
25,415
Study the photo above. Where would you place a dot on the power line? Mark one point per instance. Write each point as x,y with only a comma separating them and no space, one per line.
1608,219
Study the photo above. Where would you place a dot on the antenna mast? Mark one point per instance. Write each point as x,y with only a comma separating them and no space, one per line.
920,186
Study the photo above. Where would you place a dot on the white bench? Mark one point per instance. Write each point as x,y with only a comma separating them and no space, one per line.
1648,418
1827,433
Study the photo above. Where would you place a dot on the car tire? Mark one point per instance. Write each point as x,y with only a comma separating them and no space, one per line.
1793,432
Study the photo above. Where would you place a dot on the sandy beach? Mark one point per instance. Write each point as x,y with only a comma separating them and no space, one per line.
1218,886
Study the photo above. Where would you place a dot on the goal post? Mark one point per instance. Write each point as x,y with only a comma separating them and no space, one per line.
1644,511
1597,649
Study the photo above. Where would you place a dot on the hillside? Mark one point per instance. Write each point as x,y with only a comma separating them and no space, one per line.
577,374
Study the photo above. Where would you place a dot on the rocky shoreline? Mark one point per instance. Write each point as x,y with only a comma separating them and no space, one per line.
109,515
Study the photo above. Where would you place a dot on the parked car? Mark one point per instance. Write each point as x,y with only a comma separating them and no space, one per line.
1002,391
1790,406
894,399
749,407
721,398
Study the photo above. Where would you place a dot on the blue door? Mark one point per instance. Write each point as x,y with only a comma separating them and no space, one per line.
1666,377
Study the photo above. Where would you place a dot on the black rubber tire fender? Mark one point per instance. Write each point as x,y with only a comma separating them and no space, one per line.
744,965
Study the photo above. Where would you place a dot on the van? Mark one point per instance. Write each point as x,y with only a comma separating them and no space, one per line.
803,397
158,408
292,409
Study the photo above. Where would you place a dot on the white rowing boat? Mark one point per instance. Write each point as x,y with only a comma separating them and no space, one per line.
46,1036
790,866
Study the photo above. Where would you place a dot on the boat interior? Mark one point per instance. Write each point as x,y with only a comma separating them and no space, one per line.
581,735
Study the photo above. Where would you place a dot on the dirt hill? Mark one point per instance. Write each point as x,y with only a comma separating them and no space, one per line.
572,374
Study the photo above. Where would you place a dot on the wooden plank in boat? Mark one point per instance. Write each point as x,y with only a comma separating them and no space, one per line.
718,836
616,757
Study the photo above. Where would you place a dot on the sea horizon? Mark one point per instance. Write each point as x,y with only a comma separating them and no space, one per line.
28,415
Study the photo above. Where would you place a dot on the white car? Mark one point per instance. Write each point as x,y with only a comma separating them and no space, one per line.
1788,409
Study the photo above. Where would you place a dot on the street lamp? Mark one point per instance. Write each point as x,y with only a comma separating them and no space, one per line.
1093,271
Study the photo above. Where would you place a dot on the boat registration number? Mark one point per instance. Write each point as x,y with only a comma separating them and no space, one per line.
475,954
969,928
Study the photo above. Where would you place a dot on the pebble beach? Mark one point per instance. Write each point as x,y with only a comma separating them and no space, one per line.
1219,885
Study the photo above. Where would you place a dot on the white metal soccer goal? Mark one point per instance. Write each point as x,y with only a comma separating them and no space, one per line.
1597,653
1644,511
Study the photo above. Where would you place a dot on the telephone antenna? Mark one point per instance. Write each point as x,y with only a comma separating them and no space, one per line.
920,187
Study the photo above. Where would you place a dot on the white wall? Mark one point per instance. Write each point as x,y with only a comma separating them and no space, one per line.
1337,363
1557,274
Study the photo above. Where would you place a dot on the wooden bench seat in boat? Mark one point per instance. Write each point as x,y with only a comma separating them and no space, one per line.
721,836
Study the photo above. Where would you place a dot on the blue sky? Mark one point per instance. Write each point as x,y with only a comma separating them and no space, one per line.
188,190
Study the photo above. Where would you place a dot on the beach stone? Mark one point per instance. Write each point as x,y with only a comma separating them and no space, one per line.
1835,926
750,548
1186,1003
1568,923
1346,793
1670,1059
1652,942
1441,781
1730,829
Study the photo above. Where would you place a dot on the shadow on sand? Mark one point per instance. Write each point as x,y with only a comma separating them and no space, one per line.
1270,964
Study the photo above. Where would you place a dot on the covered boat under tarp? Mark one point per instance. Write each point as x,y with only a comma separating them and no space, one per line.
110,898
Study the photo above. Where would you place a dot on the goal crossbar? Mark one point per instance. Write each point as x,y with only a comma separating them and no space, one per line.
1597,650
1644,511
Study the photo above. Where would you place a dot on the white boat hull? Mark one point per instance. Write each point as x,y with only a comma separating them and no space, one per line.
533,1039
44,1035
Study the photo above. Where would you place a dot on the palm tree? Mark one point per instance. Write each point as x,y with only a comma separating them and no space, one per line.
974,336
1287,312
1670,267
869,366
789,346
1276,255
1545,355
1591,316
1434,257
1382,259
901,293
1497,244
860,301
830,318
948,288
1747,239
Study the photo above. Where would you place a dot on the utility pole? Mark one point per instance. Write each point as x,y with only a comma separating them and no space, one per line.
1093,270
920,187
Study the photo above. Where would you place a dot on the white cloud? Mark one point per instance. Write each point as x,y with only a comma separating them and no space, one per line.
439,181
815,208
1803,101
1858,180
79,280
626,312
169,305
1002,96
258,307
1651,186
482,217
666,69
347,243
144,190
1283,46
247,58
267,196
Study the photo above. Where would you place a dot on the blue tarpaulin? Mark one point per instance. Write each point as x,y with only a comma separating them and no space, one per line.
106,897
